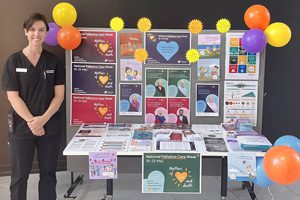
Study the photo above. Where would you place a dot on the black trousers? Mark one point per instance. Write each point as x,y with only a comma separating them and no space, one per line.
22,153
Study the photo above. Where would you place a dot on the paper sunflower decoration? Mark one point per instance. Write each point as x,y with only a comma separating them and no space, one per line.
223,25
192,55
140,55
195,26
116,24
144,24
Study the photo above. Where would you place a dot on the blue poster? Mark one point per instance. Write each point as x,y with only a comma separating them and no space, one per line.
130,99
207,100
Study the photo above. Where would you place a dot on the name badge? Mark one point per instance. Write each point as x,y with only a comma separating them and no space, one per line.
21,70
50,71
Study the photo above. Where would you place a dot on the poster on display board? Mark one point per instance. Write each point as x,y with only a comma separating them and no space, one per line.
179,110
130,99
156,82
130,70
156,110
240,64
179,83
171,173
208,70
167,47
207,96
129,42
209,46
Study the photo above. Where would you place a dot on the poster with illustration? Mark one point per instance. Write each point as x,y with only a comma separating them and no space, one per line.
156,82
93,78
103,165
240,100
167,48
96,46
171,173
129,42
156,110
240,64
131,70
209,45
92,109
179,83
130,99
207,100
179,110
208,70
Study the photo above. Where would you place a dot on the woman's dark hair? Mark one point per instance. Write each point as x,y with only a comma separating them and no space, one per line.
32,19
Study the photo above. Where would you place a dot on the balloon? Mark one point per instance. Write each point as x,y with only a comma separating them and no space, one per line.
278,34
64,14
282,165
69,37
262,180
257,16
254,40
51,38
290,141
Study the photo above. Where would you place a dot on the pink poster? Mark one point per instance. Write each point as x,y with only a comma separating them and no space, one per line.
156,110
92,109
179,110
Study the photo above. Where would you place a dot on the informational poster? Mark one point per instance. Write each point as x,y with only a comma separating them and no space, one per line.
93,78
92,109
179,110
156,110
240,64
208,70
241,166
130,99
179,83
130,70
129,42
156,82
103,165
171,173
97,47
167,48
207,100
209,45
240,100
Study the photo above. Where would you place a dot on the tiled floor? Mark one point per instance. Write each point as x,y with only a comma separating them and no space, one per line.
128,186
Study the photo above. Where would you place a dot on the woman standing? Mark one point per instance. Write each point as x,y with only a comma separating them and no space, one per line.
34,79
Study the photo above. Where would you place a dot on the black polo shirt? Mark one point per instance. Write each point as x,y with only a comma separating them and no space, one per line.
36,87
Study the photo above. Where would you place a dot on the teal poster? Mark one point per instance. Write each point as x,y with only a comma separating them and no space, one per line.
171,173
179,83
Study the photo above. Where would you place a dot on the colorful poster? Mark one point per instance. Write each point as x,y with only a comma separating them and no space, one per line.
156,82
207,100
156,110
129,42
209,45
208,70
179,83
171,172
167,48
240,64
96,46
240,100
130,99
179,110
241,166
103,165
93,78
92,109
131,70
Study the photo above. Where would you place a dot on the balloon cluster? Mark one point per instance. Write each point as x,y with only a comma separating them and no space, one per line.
257,18
63,32
281,163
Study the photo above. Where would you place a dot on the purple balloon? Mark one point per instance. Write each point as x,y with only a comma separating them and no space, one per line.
51,38
254,40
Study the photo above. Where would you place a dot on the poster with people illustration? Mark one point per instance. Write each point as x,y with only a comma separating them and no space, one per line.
103,165
208,70
179,83
156,110
207,100
209,45
130,99
156,82
130,70
179,110
129,42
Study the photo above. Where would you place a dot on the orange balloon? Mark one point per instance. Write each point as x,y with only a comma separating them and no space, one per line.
257,16
69,37
282,164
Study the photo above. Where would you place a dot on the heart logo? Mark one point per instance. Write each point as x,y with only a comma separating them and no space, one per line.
102,110
151,37
103,79
103,47
181,176
167,50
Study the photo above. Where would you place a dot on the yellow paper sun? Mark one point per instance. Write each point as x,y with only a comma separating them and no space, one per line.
223,25
144,24
116,24
192,55
140,55
195,26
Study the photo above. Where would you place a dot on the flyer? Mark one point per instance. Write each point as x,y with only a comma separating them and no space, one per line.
156,110
207,100
179,83
209,45
103,165
179,110
130,70
156,82
130,99
129,42
208,70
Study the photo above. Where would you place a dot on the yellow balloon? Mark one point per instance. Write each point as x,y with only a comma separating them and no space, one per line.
278,34
64,14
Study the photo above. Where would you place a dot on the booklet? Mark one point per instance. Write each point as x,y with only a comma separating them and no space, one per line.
254,142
